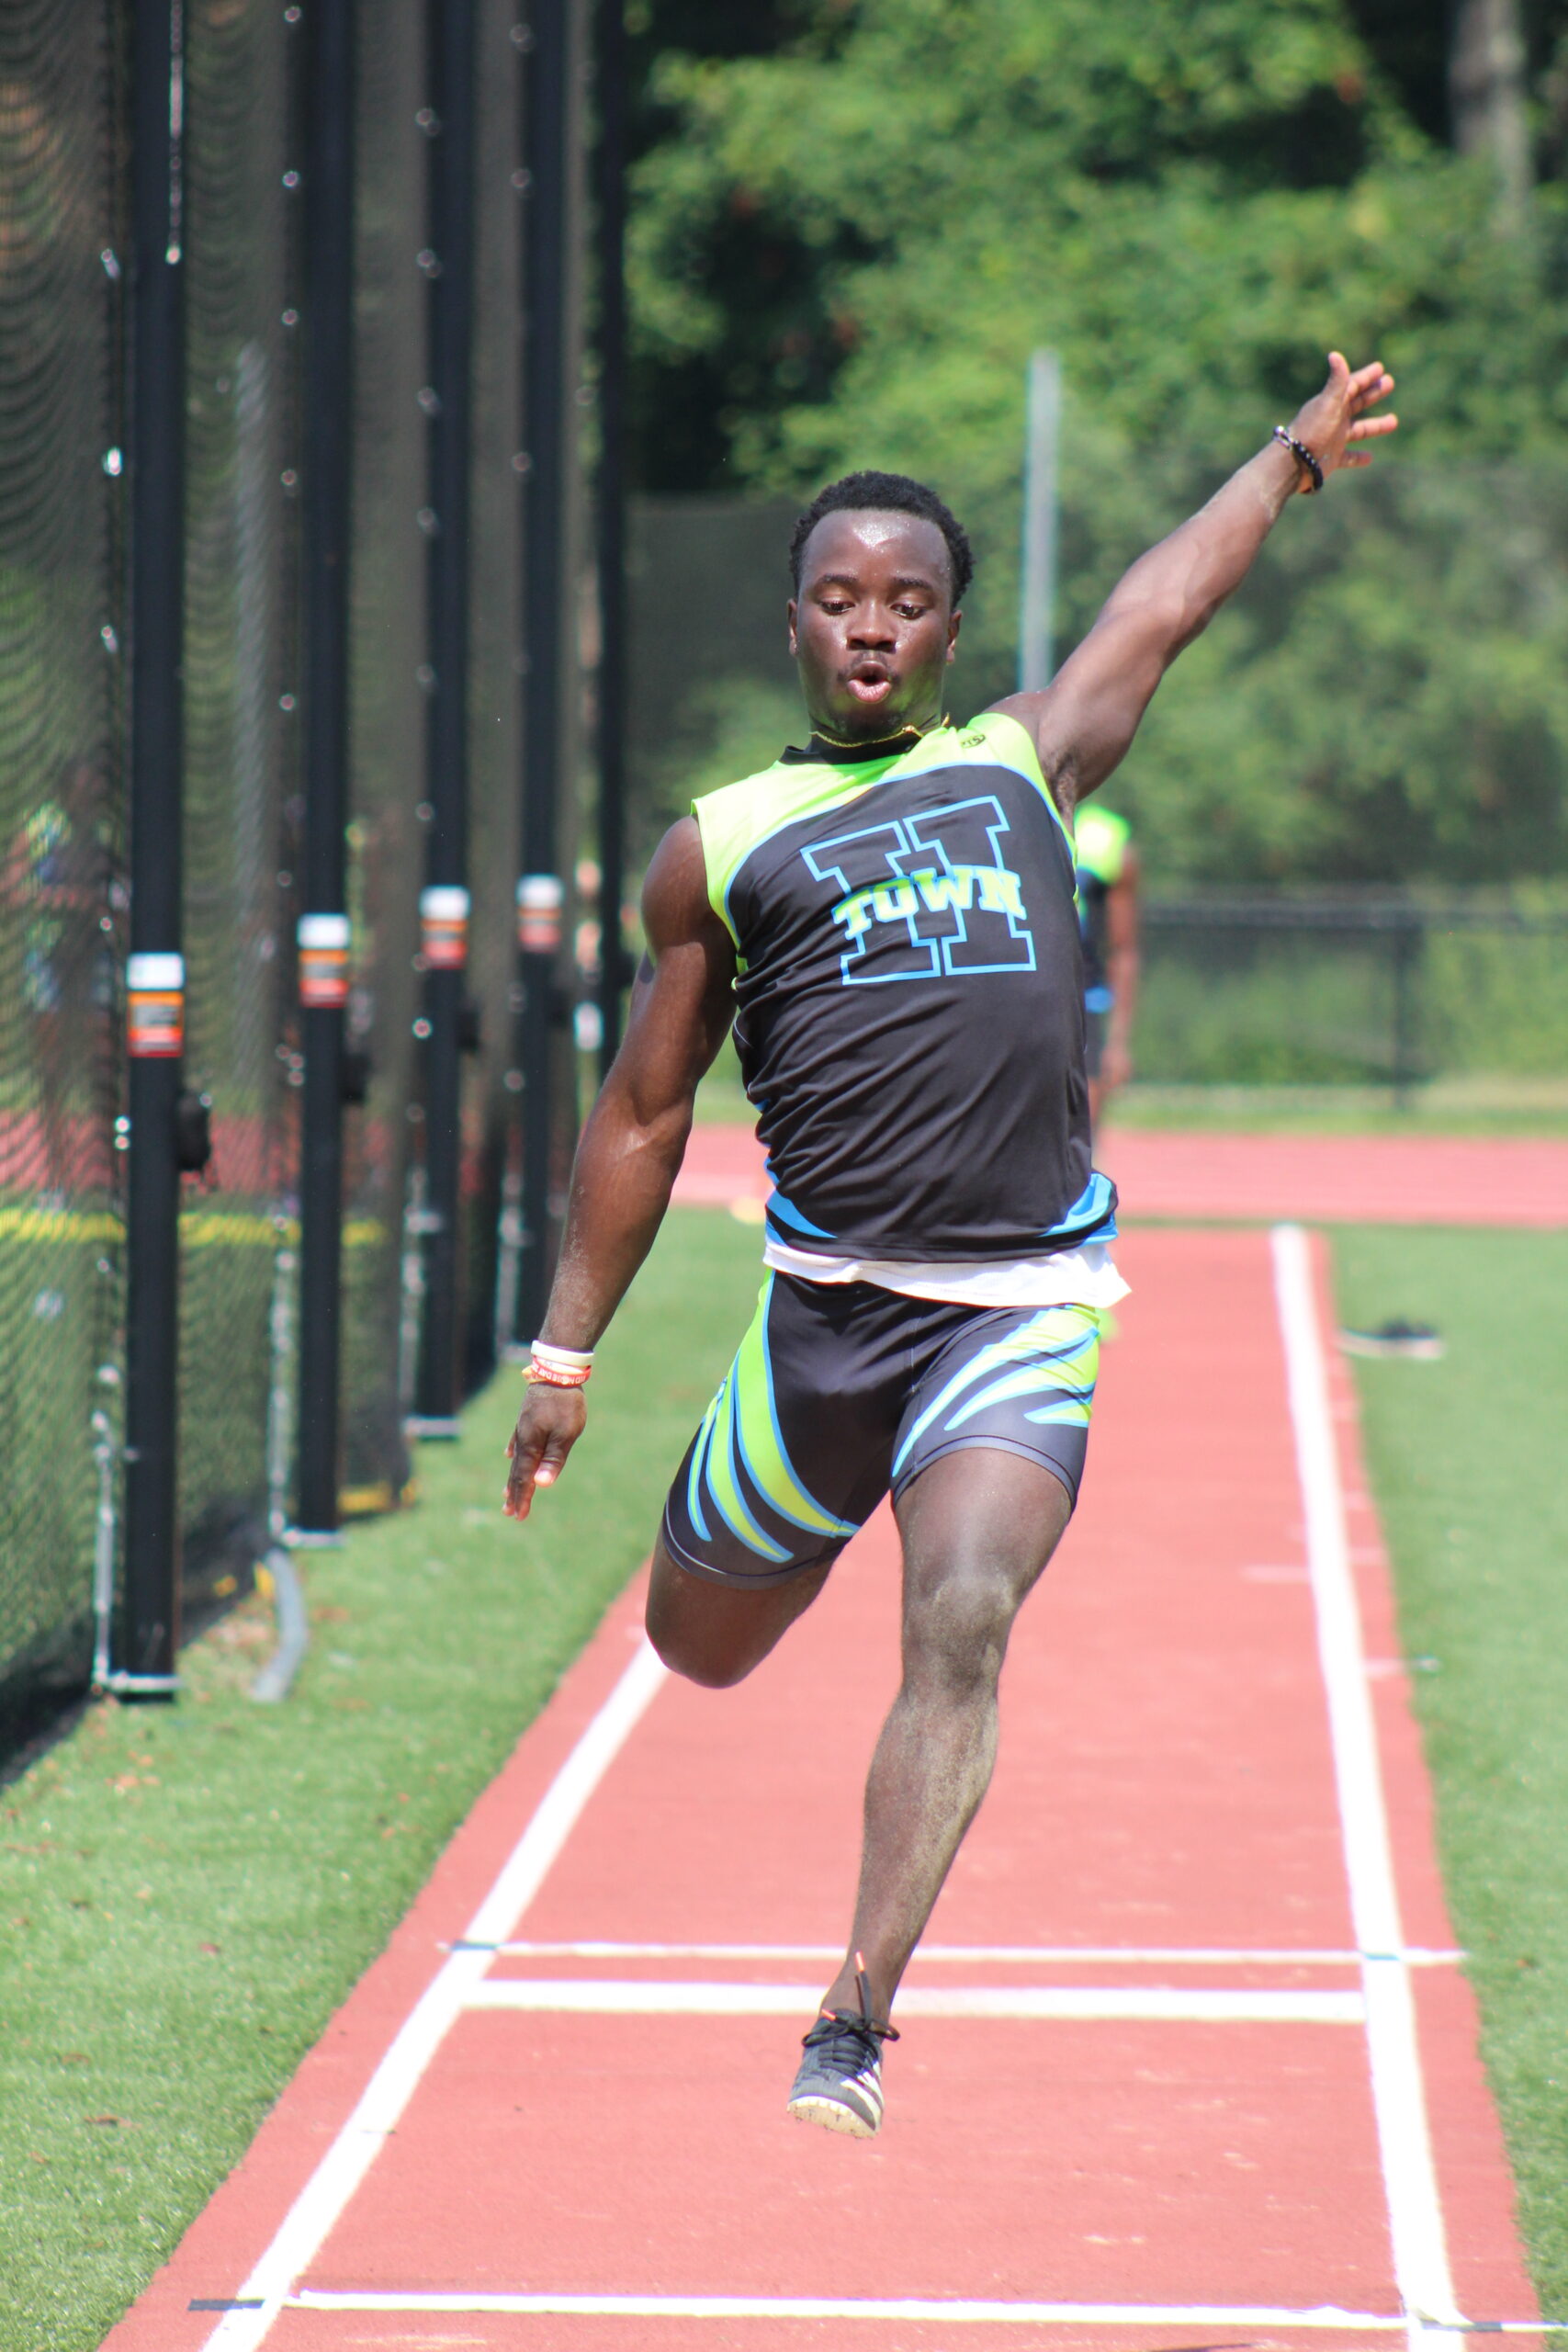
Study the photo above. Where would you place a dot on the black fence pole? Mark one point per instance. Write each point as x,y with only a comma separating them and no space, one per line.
610,83
155,975
450,126
549,611
327,424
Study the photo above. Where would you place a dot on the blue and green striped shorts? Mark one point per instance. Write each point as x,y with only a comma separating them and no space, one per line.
839,1393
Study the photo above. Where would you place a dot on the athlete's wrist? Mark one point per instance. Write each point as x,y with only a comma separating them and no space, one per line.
558,1367
1292,441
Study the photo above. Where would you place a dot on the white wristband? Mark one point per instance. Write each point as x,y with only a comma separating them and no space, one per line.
563,1359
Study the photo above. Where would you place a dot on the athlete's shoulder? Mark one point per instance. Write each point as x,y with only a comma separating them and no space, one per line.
998,735
997,739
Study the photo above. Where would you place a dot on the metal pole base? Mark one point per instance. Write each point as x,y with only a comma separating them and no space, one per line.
438,1427
312,1539
139,1686
276,1675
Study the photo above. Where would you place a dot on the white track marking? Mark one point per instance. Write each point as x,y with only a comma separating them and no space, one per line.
1000,1955
316,2209
1416,2215
604,1997
910,2309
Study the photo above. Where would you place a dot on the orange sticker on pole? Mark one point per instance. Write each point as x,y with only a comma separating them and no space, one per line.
324,961
443,923
155,1007
540,898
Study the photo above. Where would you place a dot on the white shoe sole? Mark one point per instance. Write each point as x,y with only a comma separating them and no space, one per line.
832,2116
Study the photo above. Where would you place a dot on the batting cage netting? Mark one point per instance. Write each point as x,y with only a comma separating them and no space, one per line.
61,804
238,766
66,794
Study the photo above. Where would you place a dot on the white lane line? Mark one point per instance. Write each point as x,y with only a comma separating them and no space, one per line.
604,1997
908,2309
1414,2207
1000,1955
315,2210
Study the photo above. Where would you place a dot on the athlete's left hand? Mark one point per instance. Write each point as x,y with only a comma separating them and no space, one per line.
1335,419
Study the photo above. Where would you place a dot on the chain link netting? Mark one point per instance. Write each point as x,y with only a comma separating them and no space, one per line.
61,890
239,750
490,1135
386,742
64,167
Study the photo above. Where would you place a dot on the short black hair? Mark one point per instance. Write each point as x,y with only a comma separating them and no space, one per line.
886,494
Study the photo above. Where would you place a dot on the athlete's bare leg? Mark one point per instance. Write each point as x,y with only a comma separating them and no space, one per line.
715,1633
978,1528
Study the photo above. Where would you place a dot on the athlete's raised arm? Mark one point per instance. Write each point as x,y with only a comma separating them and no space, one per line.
631,1147
1084,721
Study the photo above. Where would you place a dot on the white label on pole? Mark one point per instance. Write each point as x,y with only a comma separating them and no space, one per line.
324,931
443,903
157,973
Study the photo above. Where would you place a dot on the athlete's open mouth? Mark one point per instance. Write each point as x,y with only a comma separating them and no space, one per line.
870,683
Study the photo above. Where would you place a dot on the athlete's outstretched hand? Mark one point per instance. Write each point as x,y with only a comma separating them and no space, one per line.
549,1425
1335,419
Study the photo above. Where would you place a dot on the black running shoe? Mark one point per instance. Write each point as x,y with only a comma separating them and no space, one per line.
840,2082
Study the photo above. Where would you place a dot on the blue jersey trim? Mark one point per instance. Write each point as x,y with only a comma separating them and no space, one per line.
1091,1213
784,1212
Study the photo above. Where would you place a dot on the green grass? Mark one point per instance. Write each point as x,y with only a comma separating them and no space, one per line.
186,1893
1466,1460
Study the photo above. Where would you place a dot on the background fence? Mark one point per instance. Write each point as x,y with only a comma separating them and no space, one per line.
66,282
60,798
1351,990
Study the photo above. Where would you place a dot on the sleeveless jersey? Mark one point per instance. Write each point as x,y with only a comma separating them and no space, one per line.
910,998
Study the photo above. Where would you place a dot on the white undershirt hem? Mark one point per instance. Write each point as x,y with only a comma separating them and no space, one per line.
1082,1277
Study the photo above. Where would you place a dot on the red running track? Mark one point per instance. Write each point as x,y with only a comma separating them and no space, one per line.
1187,2058
1324,1180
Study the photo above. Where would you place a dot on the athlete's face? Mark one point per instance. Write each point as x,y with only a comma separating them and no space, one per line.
874,627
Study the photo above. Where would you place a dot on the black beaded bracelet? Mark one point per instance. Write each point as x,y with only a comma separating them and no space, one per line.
1299,449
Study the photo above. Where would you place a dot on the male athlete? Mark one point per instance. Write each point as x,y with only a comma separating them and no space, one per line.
886,918
1107,868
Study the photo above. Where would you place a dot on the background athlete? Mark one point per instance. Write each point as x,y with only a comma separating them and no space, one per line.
1106,870
887,919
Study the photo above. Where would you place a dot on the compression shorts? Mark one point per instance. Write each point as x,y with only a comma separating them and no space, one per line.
839,1393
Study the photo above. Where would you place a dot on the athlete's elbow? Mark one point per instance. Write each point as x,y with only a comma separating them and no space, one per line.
1152,626
656,1140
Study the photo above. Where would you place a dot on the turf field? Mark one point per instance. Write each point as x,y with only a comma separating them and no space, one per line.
188,1893
1466,1461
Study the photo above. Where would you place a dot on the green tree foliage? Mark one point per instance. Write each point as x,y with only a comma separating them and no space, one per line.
845,247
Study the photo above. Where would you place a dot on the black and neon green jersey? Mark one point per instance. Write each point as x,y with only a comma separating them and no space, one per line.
909,997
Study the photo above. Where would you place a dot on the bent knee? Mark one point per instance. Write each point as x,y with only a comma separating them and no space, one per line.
690,1634
696,1660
